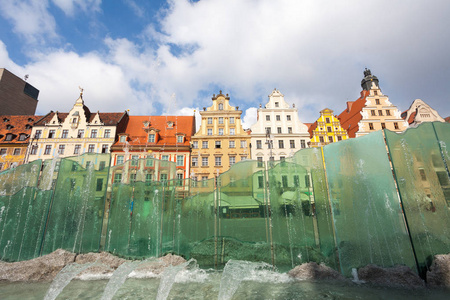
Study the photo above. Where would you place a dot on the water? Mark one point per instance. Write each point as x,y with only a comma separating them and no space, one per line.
205,284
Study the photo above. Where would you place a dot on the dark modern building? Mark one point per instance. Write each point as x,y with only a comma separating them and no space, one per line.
17,97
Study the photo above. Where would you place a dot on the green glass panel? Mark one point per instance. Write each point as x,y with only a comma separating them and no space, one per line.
243,229
368,219
13,180
76,213
197,223
423,183
443,134
324,248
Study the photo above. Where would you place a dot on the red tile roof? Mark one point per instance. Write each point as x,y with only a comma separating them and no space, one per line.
350,117
17,125
447,119
137,135
311,127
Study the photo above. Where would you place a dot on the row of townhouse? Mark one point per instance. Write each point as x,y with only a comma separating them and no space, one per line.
219,143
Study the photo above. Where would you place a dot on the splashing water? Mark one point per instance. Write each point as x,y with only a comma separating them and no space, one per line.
118,278
168,278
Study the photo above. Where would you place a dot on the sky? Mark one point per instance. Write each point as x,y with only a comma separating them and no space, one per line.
157,57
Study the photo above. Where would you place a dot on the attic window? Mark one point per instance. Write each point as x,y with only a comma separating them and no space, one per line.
9,137
28,126
146,123
30,120
53,122
122,138
22,137
180,139
9,126
170,124
5,120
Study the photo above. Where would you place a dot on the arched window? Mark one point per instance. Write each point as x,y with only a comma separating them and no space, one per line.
220,106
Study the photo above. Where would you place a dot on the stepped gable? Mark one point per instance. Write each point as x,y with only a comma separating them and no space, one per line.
167,127
16,125
350,117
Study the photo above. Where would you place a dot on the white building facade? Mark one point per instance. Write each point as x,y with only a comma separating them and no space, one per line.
278,132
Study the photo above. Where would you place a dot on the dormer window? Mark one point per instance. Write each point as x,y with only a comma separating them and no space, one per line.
28,126
9,126
122,138
9,137
180,139
151,138
5,120
170,124
22,137
30,120
146,123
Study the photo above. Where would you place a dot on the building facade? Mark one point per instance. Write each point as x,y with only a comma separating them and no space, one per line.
372,111
149,138
17,97
76,132
220,141
278,132
327,129
420,112
14,137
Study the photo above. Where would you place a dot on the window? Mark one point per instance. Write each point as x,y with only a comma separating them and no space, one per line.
16,151
179,179
80,133
61,149
232,131
217,144
380,112
281,144
107,133
120,159
220,106
209,121
34,149
260,182
37,134
372,112
204,181
64,134
148,177
117,178
267,117
231,144
329,129
327,120
180,139
93,133
220,120
77,149
99,184
104,148
282,158
278,118
377,101
330,139
395,125
194,161
163,178
47,150
339,138
279,129
205,144
204,161
51,134
165,157
220,131
22,137
321,139
132,177
149,162
218,161
209,131
302,144
195,145
296,180
231,120
292,144
383,125
288,117
284,181
134,160
243,144
91,148
268,130
289,129
388,112
151,138
232,160
258,144
260,162
422,174
102,165
122,138
277,104
371,126
180,160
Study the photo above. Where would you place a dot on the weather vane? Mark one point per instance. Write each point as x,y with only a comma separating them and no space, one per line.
81,90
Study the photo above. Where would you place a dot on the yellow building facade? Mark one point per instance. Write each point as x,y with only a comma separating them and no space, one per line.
327,129
220,141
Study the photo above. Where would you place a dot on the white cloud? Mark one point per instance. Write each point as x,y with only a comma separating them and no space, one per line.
249,117
30,19
69,6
